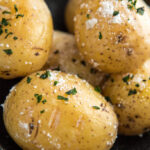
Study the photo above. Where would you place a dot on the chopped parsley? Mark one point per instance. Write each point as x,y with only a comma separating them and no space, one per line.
45,75
55,83
10,33
15,38
96,107
42,111
132,92
140,10
137,85
6,12
100,36
115,13
44,101
1,31
88,16
15,7
108,98
28,80
97,89
5,22
72,92
38,97
19,15
8,51
126,79
62,98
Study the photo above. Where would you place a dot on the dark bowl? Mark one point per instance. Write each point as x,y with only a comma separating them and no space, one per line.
6,143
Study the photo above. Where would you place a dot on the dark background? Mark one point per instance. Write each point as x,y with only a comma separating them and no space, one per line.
123,143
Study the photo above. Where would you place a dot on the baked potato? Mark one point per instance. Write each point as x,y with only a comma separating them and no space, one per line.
25,37
113,35
70,14
53,110
130,95
65,56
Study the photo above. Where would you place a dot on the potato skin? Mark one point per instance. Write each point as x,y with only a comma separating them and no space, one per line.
64,125
114,44
70,14
34,33
66,57
131,100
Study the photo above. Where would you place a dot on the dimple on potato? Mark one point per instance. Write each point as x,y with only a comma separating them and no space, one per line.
113,35
25,37
70,14
130,95
65,56
54,110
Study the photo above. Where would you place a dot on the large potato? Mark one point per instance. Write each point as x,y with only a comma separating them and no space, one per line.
130,95
53,110
25,37
70,14
113,35
66,57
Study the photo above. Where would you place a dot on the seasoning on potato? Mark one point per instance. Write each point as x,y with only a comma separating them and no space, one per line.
70,14
25,37
65,56
54,110
113,35
130,95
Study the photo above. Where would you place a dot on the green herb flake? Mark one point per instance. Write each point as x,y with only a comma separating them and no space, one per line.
8,51
28,80
108,98
97,89
96,107
44,101
140,10
5,22
88,16
132,92
100,36
6,30
115,13
62,98
6,12
42,111
38,97
126,79
19,15
45,75
15,7
10,33
1,31
137,85
55,83
72,92
15,38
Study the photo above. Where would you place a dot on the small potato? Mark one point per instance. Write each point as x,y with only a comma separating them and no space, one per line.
113,35
70,14
52,110
130,95
66,57
25,37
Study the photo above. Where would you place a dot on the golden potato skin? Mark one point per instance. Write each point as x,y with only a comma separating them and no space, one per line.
59,124
70,14
34,37
113,43
66,57
130,97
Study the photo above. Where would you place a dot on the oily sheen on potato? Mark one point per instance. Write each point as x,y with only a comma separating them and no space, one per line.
54,110
66,57
70,14
114,35
130,95
25,37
